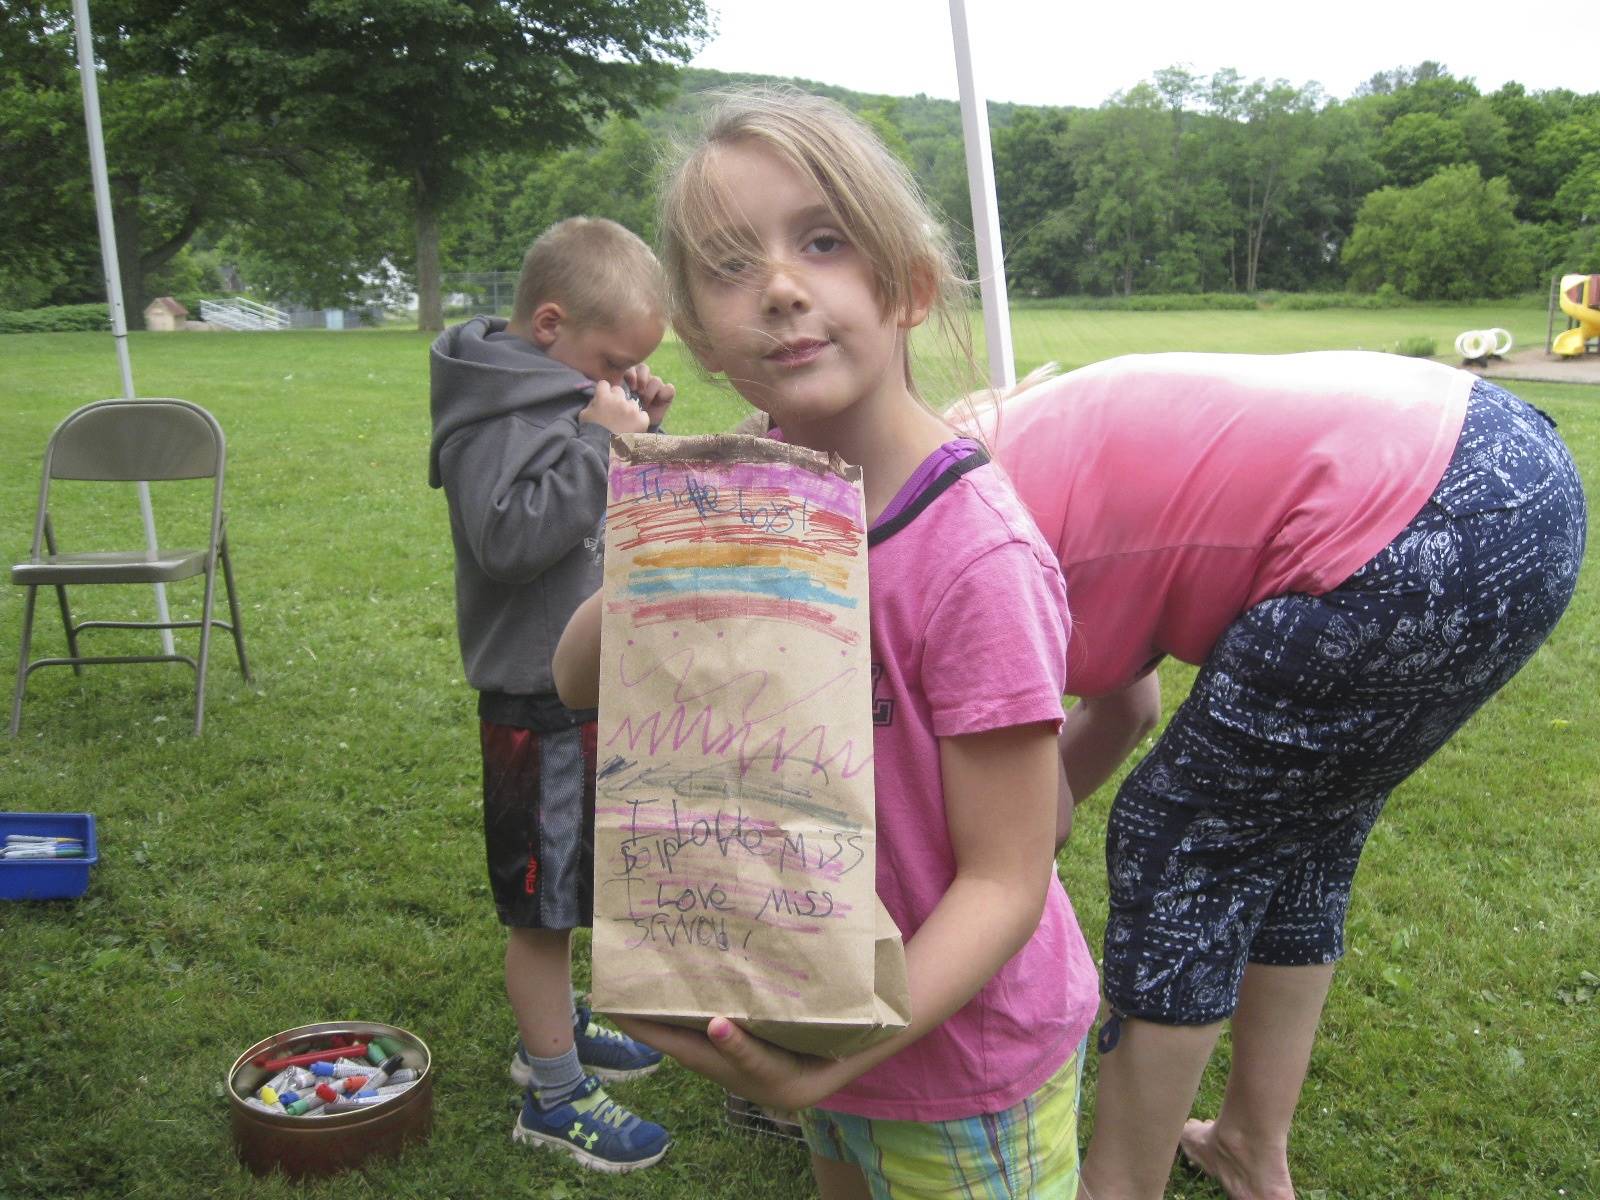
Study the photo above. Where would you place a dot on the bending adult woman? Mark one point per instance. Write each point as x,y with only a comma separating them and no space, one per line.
1358,550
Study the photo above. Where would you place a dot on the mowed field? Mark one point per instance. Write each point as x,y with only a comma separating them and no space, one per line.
1076,338
317,855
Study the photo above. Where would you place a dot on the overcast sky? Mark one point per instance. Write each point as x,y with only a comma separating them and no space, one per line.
1059,52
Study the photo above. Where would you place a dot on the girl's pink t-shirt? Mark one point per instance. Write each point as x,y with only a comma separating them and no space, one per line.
1180,489
969,634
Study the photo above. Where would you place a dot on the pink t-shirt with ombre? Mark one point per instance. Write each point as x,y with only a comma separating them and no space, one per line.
1180,489
969,634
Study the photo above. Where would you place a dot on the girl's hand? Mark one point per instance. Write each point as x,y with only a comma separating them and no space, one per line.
655,394
743,1063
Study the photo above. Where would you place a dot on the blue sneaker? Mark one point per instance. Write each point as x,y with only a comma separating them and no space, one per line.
594,1129
607,1054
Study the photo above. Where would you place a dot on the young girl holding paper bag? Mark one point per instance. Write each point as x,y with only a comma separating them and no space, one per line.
801,257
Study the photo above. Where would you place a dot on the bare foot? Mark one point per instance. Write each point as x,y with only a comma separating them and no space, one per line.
1204,1149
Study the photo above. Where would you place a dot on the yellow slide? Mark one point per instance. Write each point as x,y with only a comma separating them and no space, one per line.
1580,300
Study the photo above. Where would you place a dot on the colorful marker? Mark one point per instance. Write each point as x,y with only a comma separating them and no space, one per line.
348,1086
289,1077
26,850
359,1100
282,1080
385,1069
352,1050
343,1069
312,1102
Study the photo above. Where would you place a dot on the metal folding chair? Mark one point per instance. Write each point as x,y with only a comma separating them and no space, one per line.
130,440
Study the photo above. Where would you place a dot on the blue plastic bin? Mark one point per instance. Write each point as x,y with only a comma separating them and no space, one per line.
48,879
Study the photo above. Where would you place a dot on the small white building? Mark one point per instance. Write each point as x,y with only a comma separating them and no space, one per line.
164,315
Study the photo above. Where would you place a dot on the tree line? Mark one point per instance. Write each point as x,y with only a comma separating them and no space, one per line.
1192,183
309,143
308,146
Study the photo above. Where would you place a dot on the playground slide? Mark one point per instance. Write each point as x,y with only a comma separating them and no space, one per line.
1580,300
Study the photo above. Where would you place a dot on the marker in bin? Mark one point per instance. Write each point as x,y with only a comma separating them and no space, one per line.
311,1102
364,1099
281,1082
368,1096
345,1068
333,1093
385,1069
329,1092
21,851
342,1069
353,1050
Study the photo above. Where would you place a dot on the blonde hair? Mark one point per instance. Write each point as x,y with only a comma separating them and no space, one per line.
598,271
870,191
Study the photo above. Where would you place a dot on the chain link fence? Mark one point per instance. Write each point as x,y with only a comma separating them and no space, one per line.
474,293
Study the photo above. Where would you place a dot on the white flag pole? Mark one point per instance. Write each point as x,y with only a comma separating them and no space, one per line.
108,259
985,211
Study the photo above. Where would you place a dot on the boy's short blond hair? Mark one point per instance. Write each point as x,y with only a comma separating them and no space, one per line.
599,272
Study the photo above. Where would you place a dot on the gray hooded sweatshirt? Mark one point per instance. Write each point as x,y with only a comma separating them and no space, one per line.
526,482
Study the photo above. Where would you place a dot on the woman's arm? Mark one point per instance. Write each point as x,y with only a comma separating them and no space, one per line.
576,664
1000,792
1102,731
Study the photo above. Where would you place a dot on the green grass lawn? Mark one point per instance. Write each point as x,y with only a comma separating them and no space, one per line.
1076,338
317,855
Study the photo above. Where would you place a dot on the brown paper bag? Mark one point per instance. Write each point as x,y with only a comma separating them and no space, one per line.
735,842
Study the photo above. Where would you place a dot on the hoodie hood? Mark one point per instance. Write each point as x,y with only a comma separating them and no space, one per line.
478,371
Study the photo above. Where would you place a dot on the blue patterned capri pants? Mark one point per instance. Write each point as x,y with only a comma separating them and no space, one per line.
1236,839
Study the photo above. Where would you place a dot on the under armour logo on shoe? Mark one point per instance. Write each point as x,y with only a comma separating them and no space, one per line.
576,1134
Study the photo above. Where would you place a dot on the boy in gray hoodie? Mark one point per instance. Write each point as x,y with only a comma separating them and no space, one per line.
523,413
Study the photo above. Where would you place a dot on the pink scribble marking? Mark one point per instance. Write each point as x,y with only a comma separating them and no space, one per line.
699,726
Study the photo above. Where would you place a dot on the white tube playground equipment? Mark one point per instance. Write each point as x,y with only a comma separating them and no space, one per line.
1479,344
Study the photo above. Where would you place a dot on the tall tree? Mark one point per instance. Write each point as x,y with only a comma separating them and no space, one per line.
1033,184
422,90
162,174
1418,144
44,255
1347,171
1452,237
181,164
1121,168
1278,157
